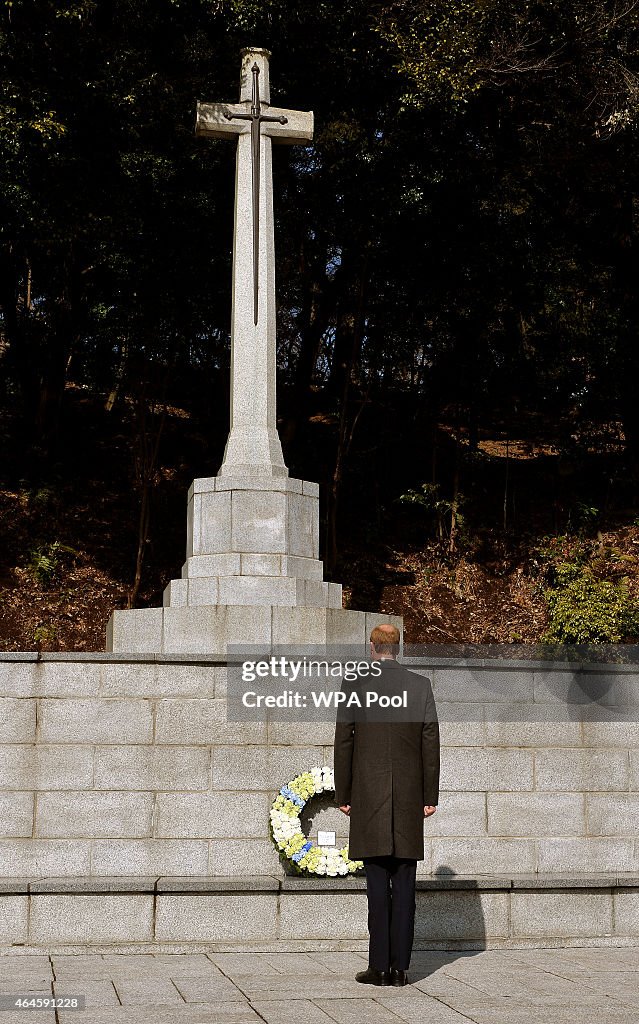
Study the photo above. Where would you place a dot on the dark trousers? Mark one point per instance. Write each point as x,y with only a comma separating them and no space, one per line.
390,888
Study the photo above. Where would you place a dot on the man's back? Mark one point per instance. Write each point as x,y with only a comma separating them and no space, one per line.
386,757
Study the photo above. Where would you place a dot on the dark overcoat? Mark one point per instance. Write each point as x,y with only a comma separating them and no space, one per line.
386,766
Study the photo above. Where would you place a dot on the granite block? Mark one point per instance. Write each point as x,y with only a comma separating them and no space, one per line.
232,856
565,769
137,767
203,721
314,915
486,768
214,524
215,917
212,815
149,856
95,720
252,564
461,915
626,912
489,855
16,814
91,815
259,521
536,814
612,814
37,857
88,918
586,854
46,766
135,630
17,720
226,564
204,590
458,814
14,915
561,915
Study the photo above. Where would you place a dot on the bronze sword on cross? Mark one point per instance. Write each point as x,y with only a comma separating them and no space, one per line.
256,117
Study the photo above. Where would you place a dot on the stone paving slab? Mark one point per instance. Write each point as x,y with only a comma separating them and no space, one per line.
217,1013
551,1015
244,963
292,1011
19,1017
454,992
340,963
355,1011
583,985
147,992
10,983
297,986
414,1007
624,984
99,993
539,989
206,989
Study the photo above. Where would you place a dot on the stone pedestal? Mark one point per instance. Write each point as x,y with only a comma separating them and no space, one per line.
252,575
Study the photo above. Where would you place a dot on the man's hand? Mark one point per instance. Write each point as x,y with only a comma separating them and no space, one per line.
346,808
428,810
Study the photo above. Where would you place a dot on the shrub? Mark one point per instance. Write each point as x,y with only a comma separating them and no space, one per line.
583,609
44,561
44,634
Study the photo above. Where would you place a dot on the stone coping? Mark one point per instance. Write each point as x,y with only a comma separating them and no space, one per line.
192,884
110,657
122,657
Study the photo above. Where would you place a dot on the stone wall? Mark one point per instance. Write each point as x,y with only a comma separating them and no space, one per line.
117,765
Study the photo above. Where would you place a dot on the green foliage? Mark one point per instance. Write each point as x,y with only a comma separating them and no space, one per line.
45,634
427,500
581,518
427,497
561,548
583,609
44,561
439,44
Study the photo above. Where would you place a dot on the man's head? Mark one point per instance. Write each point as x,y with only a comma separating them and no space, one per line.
385,641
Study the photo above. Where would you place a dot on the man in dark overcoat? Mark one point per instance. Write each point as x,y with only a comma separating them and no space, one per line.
386,767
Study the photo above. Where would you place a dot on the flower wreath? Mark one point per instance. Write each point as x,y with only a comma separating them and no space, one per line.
286,831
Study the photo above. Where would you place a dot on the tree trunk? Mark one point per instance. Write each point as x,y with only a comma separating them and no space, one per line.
452,541
349,333
148,437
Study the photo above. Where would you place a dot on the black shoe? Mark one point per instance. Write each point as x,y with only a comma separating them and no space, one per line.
371,976
398,977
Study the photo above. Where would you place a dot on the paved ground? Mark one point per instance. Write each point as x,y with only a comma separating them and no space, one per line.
575,986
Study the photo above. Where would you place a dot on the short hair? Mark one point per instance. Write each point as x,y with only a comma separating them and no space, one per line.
386,638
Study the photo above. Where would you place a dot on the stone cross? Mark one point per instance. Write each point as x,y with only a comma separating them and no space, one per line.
253,447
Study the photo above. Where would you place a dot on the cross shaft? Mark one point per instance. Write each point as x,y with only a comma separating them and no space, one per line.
253,446
256,117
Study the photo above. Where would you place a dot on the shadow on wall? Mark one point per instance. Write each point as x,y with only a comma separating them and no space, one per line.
321,813
444,915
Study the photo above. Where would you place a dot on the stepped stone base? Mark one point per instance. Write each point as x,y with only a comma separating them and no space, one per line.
252,575
209,629
264,912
